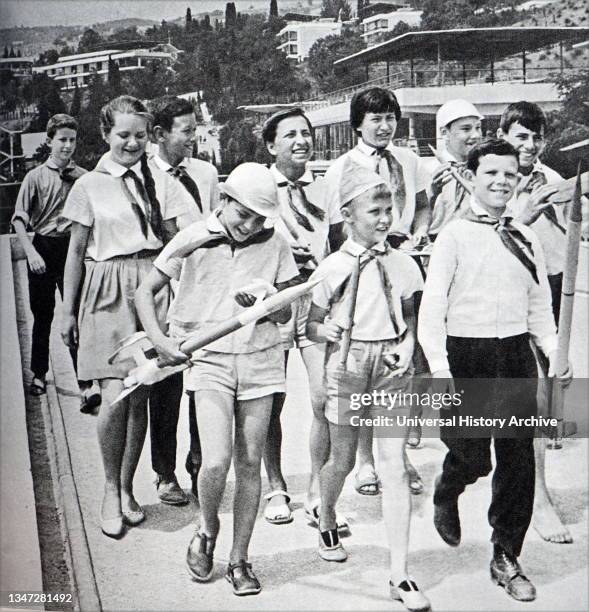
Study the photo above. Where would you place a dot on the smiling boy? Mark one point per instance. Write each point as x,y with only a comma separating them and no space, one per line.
523,124
379,359
39,207
485,297
235,377
459,123
174,132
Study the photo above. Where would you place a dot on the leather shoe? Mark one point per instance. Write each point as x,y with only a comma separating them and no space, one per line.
243,579
408,592
199,557
169,492
507,573
447,520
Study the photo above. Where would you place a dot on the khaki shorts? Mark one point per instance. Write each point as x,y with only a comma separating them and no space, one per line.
366,372
293,333
245,376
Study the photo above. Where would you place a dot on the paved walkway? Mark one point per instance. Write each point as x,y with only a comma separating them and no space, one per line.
145,570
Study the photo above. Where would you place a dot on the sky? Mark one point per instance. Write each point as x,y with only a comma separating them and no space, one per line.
86,12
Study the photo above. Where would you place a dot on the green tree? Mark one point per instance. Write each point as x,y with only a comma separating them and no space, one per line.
114,77
569,124
230,14
11,54
188,19
76,105
445,14
332,8
51,56
325,51
5,54
273,8
89,41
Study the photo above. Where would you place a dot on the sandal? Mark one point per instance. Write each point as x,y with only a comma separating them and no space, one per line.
281,513
414,437
363,485
312,515
242,578
38,387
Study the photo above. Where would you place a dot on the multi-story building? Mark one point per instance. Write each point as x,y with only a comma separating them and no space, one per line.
375,27
19,66
76,70
297,38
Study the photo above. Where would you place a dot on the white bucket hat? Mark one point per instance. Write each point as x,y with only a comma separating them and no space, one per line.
455,109
253,186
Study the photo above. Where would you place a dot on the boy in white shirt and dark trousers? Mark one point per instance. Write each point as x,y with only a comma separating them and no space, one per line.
485,295
523,124
174,132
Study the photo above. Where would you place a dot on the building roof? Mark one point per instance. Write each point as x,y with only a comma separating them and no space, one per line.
467,43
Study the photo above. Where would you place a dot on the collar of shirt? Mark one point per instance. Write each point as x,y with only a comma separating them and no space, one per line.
367,149
280,178
51,164
351,247
214,225
479,211
164,165
107,164
537,167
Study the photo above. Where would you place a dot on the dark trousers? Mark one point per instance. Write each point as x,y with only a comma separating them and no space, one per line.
164,411
42,287
469,456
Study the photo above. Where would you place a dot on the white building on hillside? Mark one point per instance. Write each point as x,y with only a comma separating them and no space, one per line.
297,38
72,70
375,26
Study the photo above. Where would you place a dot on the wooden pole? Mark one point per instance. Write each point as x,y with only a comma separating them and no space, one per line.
460,179
348,322
567,299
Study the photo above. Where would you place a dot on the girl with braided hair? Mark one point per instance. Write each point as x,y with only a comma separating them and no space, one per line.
122,215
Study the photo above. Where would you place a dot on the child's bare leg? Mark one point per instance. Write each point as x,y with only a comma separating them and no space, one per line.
136,430
396,503
214,415
544,519
251,428
342,455
314,357
366,477
273,450
112,434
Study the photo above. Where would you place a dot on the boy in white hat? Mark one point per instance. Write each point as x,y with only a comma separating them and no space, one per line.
459,123
382,339
235,377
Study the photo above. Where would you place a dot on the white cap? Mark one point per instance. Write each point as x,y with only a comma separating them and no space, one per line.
455,109
356,180
253,186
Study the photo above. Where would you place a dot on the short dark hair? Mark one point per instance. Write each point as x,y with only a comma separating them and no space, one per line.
271,124
528,114
166,108
373,100
494,146
61,120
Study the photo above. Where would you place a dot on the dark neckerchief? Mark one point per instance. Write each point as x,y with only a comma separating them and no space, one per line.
182,175
309,207
397,180
515,242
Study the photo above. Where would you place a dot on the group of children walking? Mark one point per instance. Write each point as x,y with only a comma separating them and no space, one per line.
142,243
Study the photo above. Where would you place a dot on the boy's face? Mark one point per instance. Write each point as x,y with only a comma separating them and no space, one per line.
293,144
495,180
369,217
62,145
241,222
462,135
127,138
377,129
528,144
179,141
